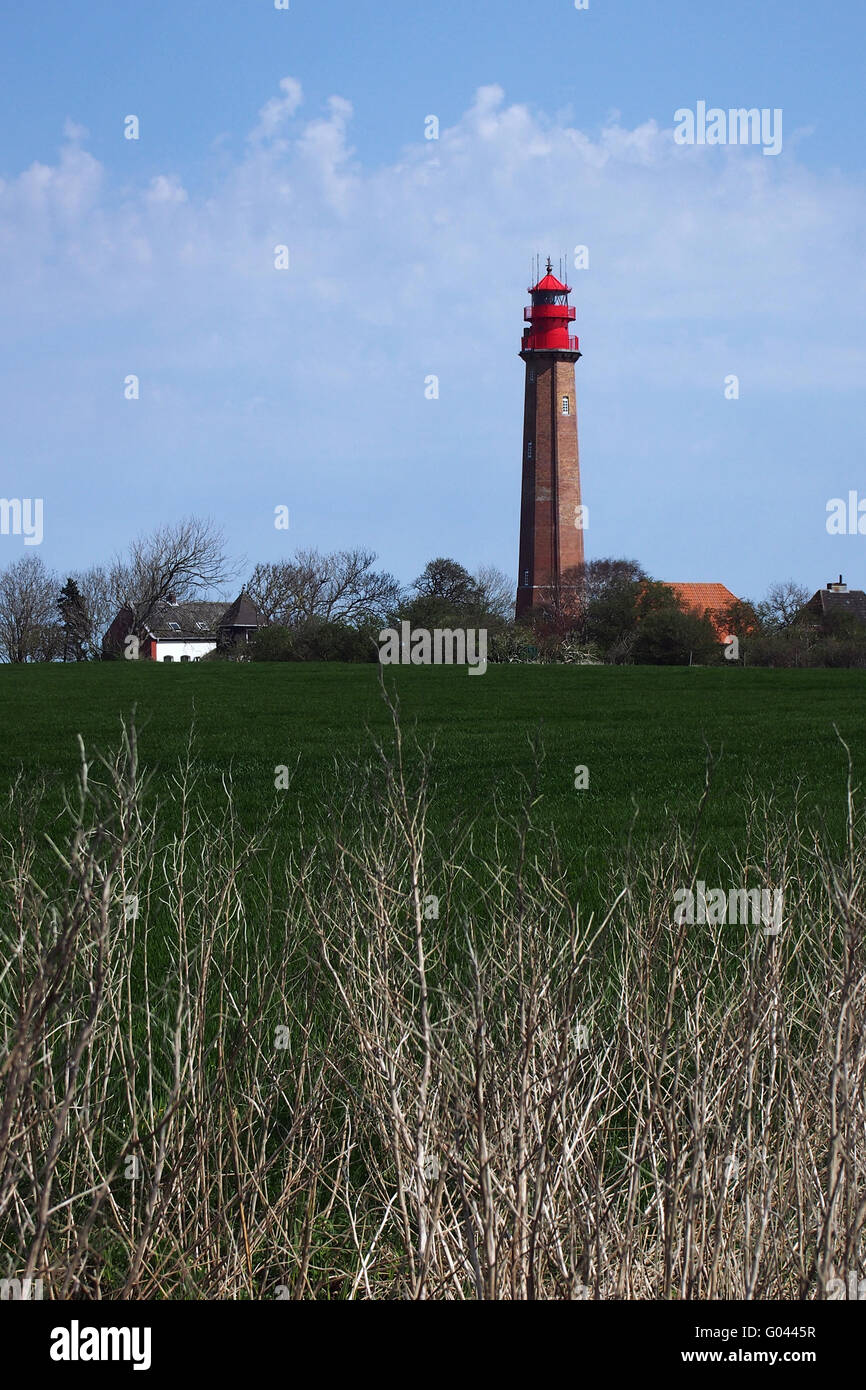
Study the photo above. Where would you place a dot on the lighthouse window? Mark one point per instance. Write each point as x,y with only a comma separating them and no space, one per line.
529,450
565,405
532,376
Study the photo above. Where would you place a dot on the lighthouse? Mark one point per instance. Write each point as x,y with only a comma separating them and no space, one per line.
551,515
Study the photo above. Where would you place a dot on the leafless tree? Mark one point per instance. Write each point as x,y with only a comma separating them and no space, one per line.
784,602
184,558
29,630
341,587
100,605
496,591
270,587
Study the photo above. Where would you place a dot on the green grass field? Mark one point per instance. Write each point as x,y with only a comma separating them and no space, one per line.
644,733
278,1019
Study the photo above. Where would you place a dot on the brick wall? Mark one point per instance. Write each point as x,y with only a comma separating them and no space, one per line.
549,541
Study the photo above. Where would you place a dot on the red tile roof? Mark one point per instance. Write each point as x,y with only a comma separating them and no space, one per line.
702,597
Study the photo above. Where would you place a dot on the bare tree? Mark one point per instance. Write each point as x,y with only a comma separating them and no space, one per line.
100,605
270,586
341,587
29,630
784,602
495,592
184,558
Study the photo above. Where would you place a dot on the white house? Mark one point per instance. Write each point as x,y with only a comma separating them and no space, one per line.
184,631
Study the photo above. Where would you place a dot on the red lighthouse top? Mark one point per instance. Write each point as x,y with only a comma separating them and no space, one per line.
549,316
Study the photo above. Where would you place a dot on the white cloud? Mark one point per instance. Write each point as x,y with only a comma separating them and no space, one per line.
166,188
276,113
73,131
702,236
703,261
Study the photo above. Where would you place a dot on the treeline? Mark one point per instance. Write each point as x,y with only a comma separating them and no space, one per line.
332,607
48,617
314,606
610,612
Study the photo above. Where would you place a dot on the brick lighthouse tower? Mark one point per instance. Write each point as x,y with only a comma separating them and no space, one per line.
551,518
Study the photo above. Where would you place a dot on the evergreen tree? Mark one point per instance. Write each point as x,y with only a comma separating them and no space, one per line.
73,612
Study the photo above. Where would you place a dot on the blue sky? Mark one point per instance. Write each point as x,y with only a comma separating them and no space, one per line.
410,257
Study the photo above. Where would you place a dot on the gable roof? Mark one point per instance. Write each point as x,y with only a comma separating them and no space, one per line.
699,597
712,599
826,601
201,620
196,621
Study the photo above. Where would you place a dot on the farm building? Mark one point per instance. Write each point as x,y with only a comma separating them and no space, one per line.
714,600
184,631
835,604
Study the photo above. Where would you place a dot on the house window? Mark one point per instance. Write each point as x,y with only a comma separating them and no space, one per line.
184,658
175,627
565,406
202,627
168,658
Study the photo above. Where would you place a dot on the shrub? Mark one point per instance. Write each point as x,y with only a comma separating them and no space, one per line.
674,638
294,1072
324,641
272,644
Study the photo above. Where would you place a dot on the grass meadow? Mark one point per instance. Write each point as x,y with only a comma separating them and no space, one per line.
422,1024
646,735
